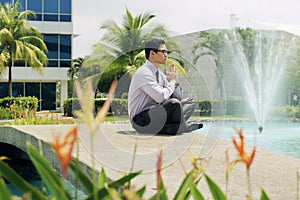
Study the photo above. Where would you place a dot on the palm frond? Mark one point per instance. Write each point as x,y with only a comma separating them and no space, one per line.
146,18
4,59
36,41
27,14
5,37
128,20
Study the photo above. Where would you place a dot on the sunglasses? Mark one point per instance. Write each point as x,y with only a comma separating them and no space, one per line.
163,51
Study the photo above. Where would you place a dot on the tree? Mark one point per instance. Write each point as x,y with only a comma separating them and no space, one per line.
215,44
77,71
292,77
19,41
212,44
75,67
120,49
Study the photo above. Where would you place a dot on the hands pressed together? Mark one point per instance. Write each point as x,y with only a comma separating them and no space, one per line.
172,74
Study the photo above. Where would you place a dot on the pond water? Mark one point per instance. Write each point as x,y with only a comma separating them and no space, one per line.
283,138
38,184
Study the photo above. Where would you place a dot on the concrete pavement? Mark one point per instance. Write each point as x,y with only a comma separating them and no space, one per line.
114,146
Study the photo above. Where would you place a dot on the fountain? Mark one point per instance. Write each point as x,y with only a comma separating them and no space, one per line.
260,59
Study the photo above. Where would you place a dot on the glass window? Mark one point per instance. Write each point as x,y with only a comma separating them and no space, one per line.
17,89
35,5
65,18
5,1
48,96
65,63
49,17
32,89
51,41
3,90
51,6
65,6
19,63
52,63
65,46
22,5
38,17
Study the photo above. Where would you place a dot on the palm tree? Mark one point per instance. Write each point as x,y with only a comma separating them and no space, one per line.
75,67
212,44
120,49
19,41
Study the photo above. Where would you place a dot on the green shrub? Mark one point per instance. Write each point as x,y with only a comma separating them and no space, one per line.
71,104
278,112
205,107
17,107
297,114
118,106
209,107
293,111
236,107
5,113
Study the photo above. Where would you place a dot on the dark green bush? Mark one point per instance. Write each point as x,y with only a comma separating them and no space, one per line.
71,104
235,107
204,108
17,107
232,107
118,106
293,111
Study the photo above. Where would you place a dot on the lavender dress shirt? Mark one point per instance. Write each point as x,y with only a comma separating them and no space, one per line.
145,92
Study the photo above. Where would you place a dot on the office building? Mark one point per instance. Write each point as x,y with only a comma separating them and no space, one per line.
54,21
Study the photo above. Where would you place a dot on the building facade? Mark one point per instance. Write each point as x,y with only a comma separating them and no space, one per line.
54,21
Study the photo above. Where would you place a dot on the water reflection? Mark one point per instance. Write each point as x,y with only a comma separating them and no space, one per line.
38,184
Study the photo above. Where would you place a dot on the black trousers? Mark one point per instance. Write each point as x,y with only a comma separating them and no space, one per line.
167,118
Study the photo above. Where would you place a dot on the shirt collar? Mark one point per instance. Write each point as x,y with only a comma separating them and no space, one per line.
151,66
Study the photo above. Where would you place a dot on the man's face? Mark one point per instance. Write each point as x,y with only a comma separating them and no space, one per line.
160,57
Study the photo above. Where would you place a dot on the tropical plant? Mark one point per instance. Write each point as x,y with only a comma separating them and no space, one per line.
293,70
75,67
19,42
74,73
211,44
120,49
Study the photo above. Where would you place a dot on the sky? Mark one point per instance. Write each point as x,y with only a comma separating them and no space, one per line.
181,17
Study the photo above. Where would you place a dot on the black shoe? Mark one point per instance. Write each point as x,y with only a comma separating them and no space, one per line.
192,126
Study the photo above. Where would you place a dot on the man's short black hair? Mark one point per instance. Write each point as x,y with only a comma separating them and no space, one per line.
153,44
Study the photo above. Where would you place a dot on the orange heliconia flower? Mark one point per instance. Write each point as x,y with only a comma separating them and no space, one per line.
64,148
244,157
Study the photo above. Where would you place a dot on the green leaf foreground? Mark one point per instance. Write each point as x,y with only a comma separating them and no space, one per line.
48,174
215,190
102,192
185,185
161,194
4,192
263,195
83,178
14,178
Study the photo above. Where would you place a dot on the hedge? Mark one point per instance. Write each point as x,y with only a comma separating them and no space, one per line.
203,108
12,107
118,106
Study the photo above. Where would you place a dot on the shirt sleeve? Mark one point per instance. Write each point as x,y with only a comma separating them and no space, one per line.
177,92
156,91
